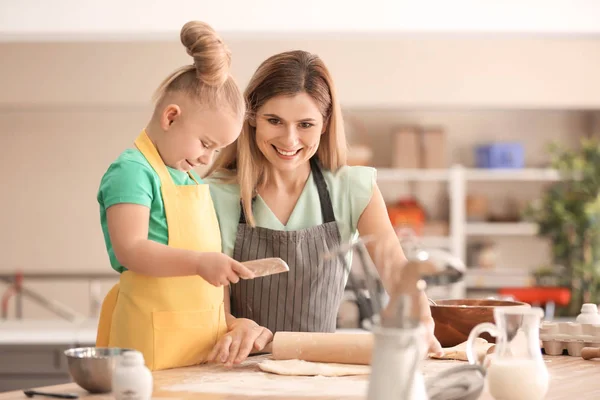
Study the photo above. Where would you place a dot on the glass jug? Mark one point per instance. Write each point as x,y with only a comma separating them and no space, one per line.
517,369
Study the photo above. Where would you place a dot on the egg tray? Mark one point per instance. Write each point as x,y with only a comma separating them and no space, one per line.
556,337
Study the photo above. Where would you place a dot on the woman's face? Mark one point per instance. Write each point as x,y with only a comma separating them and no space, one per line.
288,130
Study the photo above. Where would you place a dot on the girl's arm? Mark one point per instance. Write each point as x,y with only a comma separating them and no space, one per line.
128,230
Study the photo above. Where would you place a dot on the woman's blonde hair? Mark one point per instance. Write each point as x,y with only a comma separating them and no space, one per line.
208,79
284,74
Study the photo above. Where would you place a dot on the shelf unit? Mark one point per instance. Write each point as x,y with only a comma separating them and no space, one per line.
500,229
457,178
469,174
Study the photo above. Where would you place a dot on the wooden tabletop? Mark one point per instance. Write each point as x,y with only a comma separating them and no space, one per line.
570,377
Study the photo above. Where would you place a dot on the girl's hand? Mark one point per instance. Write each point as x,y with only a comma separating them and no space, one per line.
219,269
244,336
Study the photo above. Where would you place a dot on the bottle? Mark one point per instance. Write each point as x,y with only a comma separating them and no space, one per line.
589,314
131,379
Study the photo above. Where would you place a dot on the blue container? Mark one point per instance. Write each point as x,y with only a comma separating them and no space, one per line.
500,155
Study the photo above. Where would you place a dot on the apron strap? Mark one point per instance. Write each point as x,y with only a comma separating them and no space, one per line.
242,213
191,175
148,150
324,198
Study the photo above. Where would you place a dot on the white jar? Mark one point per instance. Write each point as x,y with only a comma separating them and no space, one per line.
132,380
589,314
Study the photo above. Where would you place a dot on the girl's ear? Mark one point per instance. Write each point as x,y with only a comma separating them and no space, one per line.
170,115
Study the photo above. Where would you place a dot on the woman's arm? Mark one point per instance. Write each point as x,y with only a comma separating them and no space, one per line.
375,221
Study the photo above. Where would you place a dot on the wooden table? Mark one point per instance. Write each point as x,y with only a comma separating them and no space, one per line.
571,377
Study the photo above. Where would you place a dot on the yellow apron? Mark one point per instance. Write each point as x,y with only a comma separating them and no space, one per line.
176,321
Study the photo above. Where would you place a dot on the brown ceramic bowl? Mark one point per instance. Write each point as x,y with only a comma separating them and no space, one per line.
454,319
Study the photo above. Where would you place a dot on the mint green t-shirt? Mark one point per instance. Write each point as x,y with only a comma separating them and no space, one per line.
131,179
350,189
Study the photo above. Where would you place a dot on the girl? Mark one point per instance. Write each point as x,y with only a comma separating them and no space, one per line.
299,200
158,219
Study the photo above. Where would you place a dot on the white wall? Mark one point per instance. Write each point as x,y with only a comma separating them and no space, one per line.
370,71
39,19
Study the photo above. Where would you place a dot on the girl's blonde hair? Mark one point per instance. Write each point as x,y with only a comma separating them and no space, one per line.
208,79
284,74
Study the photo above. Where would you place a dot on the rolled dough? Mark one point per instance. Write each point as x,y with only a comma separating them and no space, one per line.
306,368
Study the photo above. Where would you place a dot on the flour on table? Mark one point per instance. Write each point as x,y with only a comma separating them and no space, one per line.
305,368
248,380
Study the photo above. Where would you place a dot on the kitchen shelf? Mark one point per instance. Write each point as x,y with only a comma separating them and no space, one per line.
457,179
412,174
501,229
525,174
470,174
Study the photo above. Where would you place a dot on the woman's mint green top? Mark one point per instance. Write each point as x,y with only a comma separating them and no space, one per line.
350,189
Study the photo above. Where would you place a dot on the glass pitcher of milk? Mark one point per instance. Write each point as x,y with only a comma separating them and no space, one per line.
517,370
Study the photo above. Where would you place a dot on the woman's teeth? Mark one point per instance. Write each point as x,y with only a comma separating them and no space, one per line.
287,153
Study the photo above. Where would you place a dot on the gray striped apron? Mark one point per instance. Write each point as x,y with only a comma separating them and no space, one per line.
305,299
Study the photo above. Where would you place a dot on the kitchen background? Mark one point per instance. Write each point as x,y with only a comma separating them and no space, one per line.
419,102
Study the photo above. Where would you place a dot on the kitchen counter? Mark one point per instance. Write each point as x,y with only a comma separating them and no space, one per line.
31,351
570,377
48,332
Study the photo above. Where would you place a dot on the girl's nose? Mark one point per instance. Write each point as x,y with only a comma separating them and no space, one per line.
206,157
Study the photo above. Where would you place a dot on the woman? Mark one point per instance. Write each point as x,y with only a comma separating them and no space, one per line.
299,201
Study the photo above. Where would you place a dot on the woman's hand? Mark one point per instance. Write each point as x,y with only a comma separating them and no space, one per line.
434,346
244,336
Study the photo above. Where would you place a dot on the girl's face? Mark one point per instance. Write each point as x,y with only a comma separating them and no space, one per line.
192,136
288,130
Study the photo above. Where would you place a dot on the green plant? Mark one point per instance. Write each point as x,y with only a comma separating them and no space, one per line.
568,214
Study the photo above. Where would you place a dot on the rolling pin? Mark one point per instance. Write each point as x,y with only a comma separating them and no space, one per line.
342,348
587,353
